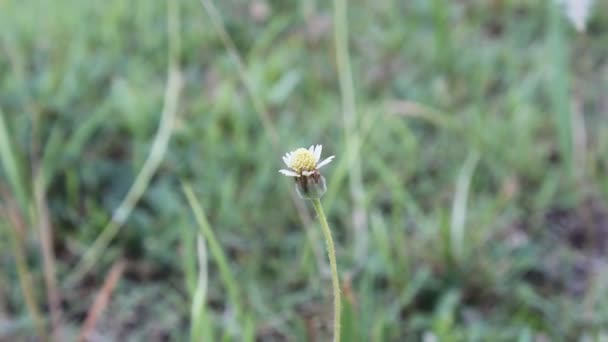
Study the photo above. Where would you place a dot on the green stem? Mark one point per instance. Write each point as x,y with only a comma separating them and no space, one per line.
331,252
26,283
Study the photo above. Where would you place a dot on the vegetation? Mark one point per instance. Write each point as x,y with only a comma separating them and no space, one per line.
467,200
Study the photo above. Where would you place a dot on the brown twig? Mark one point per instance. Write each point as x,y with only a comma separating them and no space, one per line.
101,300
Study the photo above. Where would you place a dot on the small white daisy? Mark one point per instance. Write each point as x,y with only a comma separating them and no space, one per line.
304,162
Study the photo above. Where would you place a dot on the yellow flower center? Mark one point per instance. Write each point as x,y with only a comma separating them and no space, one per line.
303,160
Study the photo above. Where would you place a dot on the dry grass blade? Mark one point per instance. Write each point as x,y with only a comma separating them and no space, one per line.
101,300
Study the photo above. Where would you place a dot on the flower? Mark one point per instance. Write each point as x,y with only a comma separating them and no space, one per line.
304,166
304,162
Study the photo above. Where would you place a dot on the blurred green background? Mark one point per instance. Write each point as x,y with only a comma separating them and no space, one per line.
467,198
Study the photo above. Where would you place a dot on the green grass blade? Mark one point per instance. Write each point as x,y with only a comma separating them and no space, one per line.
559,84
215,248
459,206
11,164
352,134
200,325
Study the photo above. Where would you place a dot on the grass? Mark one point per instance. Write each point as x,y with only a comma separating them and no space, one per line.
478,129
156,156
217,252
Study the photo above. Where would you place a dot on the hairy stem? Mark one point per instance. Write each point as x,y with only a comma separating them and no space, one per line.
331,252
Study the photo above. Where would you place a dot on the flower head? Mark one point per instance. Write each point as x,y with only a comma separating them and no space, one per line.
304,162
304,166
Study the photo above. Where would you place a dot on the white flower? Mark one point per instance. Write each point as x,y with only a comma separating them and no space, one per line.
304,162
578,12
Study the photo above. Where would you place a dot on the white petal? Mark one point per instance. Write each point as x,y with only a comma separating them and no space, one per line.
317,153
308,173
289,173
325,162
311,149
287,158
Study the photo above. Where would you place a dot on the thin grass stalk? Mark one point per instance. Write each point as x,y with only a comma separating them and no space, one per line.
11,165
459,207
9,159
26,284
216,250
24,274
189,259
342,170
42,220
351,134
559,86
200,327
443,51
45,229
